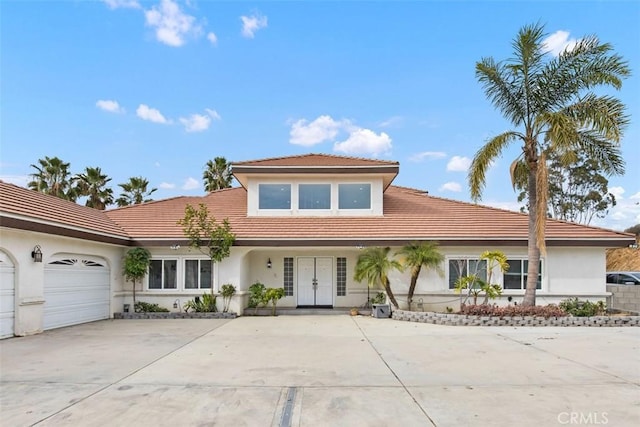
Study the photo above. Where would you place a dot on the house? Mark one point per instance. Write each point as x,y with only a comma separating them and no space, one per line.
300,223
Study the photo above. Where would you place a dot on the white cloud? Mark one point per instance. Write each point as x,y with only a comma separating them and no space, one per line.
364,141
251,24
458,164
20,180
558,42
167,186
190,184
212,38
324,128
125,4
171,24
451,186
418,157
617,192
213,114
392,122
110,106
151,114
635,196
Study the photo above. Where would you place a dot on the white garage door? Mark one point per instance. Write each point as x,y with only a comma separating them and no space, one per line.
7,296
76,290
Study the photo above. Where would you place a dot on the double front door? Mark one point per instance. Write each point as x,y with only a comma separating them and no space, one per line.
315,281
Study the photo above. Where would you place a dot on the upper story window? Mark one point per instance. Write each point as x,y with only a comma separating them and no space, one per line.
274,196
314,196
354,196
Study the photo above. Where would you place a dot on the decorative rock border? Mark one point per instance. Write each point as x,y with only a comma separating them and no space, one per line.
469,320
216,315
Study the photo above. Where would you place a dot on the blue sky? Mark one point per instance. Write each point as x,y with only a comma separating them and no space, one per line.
157,88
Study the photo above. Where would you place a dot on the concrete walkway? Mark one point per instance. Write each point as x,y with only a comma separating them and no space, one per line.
319,371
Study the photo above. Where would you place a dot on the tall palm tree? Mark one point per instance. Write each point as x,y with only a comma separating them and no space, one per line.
417,255
551,103
93,184
217,174
52,177
135,192
374,265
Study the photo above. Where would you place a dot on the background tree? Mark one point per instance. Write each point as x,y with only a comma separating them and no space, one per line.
93,184
217,174
205,234
578,192
417,255
135,267
374,266
550,101
135,192
634,229
53,177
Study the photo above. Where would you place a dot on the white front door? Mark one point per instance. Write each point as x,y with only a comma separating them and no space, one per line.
315,281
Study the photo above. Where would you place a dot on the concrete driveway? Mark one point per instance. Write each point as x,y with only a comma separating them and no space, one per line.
319,371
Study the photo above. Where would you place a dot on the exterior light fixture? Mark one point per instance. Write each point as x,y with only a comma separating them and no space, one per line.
36,254
269,263
174,247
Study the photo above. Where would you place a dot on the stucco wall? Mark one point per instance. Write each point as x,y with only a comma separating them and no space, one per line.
29,275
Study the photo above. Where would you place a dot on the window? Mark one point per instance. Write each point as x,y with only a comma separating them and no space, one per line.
314,196
197,274
162,274
516,276
463,267
274,196
354,196
341,272
288,277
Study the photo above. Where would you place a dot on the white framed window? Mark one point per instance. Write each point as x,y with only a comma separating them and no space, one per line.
274,196
516,277
198,274
354,196
163,274
314,196
460,267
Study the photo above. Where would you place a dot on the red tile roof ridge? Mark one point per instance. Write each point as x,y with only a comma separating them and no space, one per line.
151,202
299,156
410,189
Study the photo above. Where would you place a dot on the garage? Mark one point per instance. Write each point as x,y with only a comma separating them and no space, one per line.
76,290
7,296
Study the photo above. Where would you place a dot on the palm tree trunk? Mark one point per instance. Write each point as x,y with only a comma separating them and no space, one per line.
412,286
533,252
387,288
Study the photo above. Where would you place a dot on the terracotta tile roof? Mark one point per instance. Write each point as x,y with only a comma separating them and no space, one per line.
408,214
23,204
318,160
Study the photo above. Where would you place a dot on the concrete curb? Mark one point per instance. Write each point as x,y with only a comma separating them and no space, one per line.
216,315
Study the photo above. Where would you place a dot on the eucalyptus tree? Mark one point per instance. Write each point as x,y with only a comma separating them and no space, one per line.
419,255
374,266
135,192
217,174
93,184
52,177
552,105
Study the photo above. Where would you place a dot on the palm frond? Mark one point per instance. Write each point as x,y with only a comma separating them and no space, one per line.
484,158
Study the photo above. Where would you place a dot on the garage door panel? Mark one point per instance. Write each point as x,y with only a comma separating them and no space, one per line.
76,291
7,297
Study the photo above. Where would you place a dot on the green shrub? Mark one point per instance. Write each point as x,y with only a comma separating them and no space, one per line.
206,304
577,308
256,296
272,295
145,307
227,291
380,298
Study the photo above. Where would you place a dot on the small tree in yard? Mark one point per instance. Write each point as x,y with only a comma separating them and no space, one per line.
273,295
205,234
227,291
374,265
417,255
475,285
136,266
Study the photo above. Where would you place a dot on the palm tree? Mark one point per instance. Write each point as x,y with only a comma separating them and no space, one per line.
417,255
217,174
52,177
135,192
93,184
550,102
373,265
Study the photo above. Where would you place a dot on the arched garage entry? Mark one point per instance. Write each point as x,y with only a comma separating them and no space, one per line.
7,296
76,290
